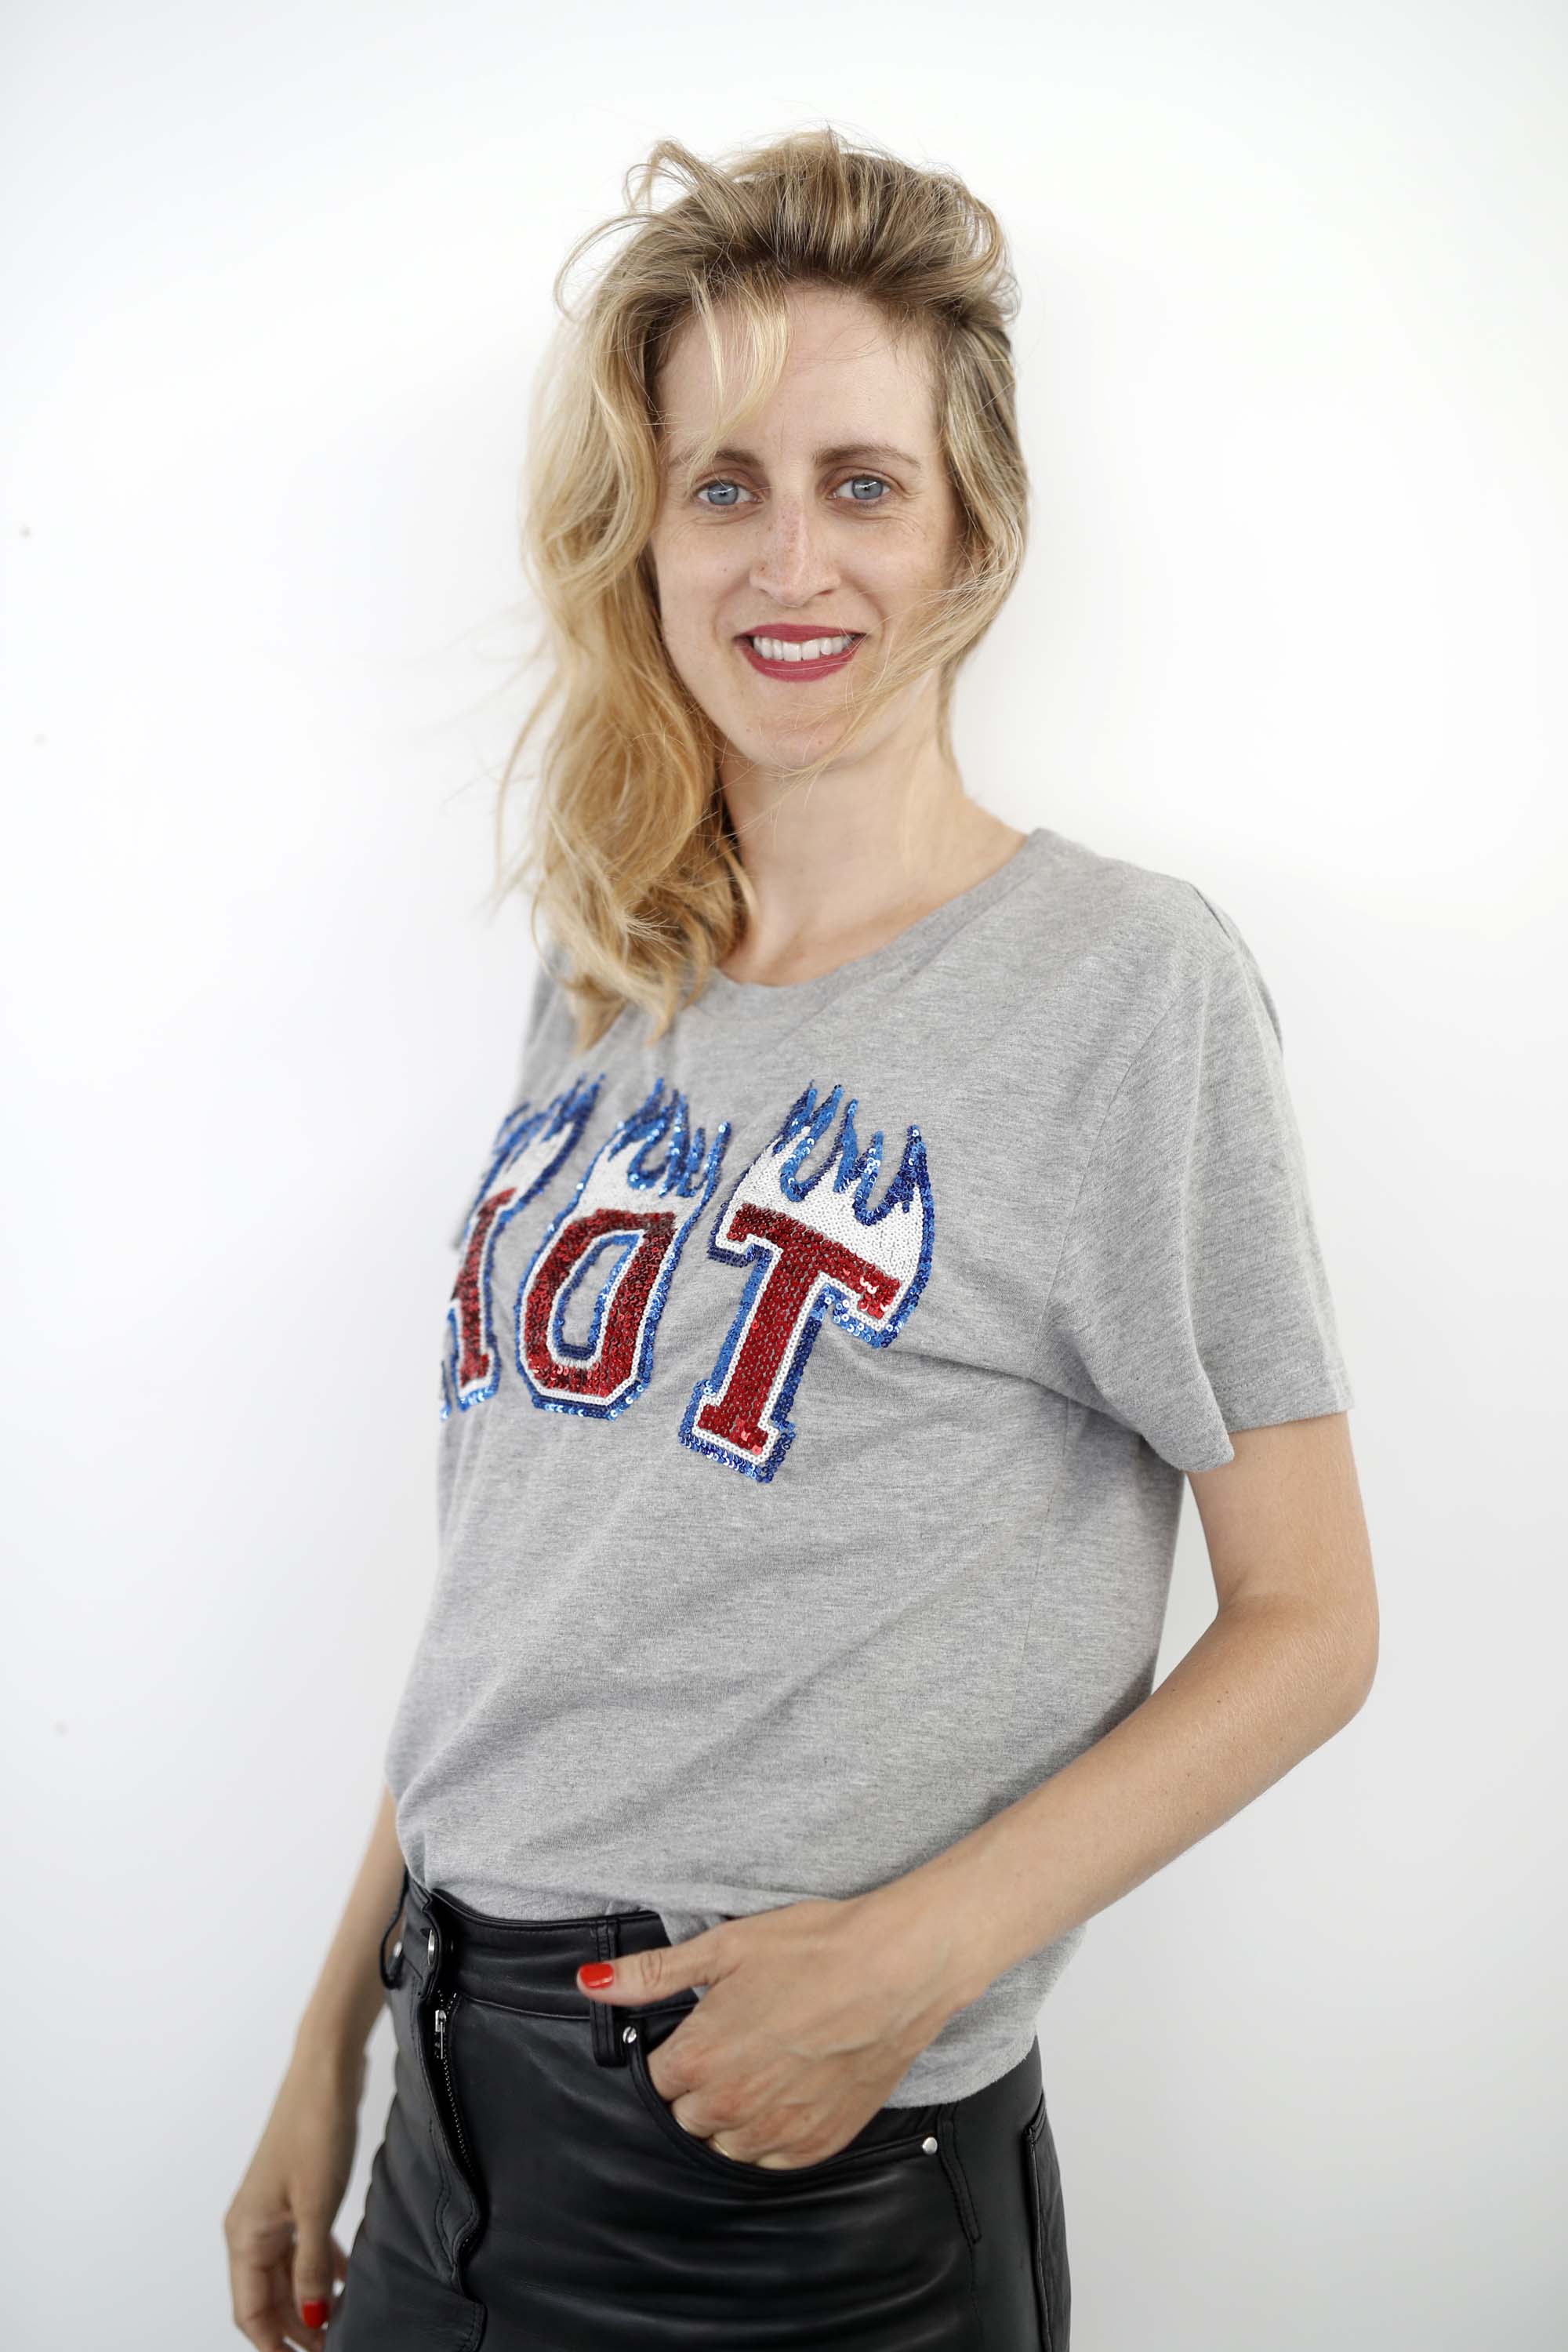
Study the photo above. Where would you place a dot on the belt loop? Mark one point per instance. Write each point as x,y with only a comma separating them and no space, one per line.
608,2048
394,1976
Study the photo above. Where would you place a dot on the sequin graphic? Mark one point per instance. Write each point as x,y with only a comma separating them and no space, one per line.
529,1147
812,1251
638,1197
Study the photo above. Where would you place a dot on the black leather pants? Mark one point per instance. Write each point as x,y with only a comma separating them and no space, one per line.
534,2193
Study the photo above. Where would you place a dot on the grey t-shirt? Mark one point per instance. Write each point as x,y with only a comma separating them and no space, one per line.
816,1391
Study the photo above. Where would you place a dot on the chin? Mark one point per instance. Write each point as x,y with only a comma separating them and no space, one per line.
782,742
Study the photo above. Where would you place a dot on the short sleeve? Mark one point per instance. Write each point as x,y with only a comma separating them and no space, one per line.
1190,1299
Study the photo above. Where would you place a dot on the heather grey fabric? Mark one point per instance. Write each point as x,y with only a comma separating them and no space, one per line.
816,1393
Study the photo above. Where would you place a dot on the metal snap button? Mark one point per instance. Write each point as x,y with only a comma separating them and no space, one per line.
629,2033
929,2146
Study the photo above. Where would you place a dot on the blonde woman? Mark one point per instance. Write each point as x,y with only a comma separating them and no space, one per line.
892,1209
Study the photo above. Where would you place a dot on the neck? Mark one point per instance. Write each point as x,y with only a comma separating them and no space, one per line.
843,868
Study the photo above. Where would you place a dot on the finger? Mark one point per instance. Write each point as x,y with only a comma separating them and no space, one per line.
774,2163
312,2277
292,2336
263,2303
262,2253
292,2329
663,1969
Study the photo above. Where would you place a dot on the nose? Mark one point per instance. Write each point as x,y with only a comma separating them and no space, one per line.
794,560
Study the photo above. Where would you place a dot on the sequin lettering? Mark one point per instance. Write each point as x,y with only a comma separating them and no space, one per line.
812,1253
638,1199
530,1146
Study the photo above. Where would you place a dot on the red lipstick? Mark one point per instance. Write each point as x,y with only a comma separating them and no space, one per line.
796,632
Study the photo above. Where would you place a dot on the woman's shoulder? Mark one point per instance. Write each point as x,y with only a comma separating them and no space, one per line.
1123,930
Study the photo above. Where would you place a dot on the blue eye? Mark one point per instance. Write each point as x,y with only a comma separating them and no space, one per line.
724,483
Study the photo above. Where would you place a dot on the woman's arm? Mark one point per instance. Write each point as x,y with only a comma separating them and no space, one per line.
283,2258
827,2002
348,1996
1288,1660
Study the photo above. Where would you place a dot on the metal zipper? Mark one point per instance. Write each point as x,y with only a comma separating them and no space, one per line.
444,2006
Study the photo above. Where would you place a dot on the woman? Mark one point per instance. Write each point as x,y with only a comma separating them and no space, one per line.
894,1208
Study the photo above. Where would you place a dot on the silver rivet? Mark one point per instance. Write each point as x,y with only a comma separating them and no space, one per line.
629,2033
929,2146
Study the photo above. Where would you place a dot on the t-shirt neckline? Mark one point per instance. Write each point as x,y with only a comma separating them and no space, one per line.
753,1002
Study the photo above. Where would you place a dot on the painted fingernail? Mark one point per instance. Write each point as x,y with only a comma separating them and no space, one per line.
597,1973
313,2311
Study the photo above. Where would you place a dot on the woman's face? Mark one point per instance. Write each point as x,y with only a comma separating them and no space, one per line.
836,517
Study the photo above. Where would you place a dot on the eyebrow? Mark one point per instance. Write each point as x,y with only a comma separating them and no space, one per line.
838,455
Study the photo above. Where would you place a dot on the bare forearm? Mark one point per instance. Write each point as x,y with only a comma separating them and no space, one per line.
1266,1685
348,1996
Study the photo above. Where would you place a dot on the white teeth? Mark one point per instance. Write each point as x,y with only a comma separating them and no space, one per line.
813,649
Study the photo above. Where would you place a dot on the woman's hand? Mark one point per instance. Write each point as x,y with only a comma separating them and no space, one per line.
812,2012
283,2258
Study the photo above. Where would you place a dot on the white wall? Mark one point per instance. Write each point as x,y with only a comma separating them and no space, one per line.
274,282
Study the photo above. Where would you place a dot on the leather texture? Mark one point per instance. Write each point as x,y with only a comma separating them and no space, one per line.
532,2188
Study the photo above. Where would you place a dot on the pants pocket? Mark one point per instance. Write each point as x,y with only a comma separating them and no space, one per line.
1048,2231
608,2224
884,2147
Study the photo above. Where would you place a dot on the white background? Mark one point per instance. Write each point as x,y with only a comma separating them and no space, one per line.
1292,349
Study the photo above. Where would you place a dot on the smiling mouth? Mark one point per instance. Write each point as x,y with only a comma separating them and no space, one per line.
785,658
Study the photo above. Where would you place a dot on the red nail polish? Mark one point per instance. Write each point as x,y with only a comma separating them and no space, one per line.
313,2312
597,1972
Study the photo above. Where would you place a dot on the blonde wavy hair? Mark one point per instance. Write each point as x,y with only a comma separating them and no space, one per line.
630,858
